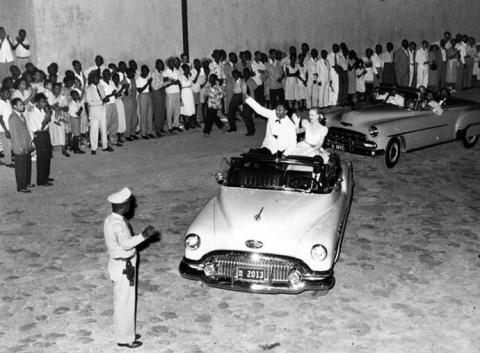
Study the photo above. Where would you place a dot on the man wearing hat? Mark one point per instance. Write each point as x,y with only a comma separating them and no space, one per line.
122,266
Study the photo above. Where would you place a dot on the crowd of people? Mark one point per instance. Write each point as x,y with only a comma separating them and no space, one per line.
120,102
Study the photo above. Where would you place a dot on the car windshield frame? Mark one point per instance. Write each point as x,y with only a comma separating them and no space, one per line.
284,173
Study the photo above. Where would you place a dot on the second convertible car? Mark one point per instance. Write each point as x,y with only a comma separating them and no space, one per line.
400,121
275,226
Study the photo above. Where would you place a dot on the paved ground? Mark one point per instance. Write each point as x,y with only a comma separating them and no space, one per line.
407,279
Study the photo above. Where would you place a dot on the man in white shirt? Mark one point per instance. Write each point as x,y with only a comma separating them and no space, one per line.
312,67
6,54
22,48
97,115
99,66
258,69
335,68
108,88
377,64
461,47
5,112
122,265
144,82
324,71
281,132
172,90
421,60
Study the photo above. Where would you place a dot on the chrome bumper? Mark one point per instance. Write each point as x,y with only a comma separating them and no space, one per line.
351,141
275,282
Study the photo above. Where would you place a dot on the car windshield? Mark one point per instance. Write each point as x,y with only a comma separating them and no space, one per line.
292,173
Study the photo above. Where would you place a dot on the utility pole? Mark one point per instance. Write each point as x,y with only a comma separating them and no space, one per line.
185,27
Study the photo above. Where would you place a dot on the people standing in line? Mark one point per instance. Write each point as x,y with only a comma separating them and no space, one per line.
187,109
388,66
22,48
198,83
324,79
96,107
120,87
107,87
452,65
352,77
401,62
158,98
130,105
75,111
214,103
123,265
59,104
412,74
6,53
5,112
422,63
311,64
377,63
172,89
291,74
39,119
21,145
248,87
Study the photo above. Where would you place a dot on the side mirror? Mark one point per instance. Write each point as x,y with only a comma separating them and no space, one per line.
219,178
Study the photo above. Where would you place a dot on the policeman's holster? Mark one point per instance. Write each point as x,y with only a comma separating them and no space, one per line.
129,271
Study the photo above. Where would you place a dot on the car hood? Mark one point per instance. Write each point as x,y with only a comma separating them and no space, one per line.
374,114
267,215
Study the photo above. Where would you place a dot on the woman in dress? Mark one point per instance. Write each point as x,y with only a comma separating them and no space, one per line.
315,132
452,63
370,72
291,72
59,104
24,92
120,88
302,83
352,77
187,109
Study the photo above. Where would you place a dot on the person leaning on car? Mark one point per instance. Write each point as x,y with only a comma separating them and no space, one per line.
281,132
122,265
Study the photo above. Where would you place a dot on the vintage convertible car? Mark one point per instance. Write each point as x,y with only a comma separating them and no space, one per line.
400,121
275,226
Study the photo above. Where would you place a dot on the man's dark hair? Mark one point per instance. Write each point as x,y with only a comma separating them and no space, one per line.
39,96
15,101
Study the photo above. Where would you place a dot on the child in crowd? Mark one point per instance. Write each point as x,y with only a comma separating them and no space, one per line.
360,72
75,110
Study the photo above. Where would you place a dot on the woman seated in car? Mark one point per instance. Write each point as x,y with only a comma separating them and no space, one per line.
315,132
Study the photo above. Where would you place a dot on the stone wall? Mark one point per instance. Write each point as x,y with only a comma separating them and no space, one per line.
147,29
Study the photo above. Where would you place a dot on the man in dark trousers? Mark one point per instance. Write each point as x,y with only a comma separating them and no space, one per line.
401,62
122,265
39,118
21,145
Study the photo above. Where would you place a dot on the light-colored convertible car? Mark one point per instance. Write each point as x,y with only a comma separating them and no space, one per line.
400,121
275,226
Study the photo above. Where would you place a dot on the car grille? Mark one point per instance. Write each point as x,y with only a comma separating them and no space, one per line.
277,268
344,136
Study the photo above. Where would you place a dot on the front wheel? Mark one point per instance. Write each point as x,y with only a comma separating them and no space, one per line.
392,153
469,142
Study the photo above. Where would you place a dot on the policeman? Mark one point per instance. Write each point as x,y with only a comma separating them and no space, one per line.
122,266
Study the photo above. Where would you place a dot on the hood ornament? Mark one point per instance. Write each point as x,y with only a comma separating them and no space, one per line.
257,217
254,244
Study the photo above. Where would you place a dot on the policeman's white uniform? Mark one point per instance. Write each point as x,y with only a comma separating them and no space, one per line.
121,246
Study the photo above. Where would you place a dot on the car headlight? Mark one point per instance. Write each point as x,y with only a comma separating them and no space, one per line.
192,241
373,131
319,252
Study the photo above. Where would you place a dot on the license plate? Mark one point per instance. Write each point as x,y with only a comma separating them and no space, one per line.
339,147
251,274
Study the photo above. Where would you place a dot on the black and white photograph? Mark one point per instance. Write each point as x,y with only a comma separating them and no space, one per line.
239,176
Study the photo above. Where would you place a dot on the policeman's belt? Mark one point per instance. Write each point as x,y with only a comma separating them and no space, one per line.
124,258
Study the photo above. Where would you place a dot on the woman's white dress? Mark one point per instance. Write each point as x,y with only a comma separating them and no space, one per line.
59,117
188,103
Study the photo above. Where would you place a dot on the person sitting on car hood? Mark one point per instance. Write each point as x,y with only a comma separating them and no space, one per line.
281,133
